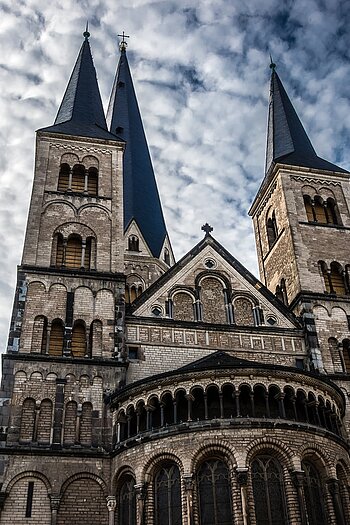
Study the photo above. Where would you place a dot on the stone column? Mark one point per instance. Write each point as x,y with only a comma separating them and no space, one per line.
298,480
55,503
86,178
189,398
188,484
242,480
83,251
333,487
111,506
140,489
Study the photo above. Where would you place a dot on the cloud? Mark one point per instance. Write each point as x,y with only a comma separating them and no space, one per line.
201,74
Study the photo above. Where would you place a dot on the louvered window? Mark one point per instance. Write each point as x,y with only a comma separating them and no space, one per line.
63,178
59,251
56,338
78,340
320,212
92,181
78,178
73,252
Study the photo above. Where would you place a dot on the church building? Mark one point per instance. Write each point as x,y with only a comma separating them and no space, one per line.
138,390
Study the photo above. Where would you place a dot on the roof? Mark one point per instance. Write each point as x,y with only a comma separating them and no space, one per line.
141,198
287,140
81,111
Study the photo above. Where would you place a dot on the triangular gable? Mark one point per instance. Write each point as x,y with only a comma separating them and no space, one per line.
183,274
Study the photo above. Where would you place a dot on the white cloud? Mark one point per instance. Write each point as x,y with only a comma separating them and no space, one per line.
201,75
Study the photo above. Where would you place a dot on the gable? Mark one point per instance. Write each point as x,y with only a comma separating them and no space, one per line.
210,285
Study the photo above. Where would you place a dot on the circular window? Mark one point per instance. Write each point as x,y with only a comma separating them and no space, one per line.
210,263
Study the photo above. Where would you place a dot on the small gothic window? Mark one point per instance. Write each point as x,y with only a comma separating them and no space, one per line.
73,252
268,491
313,495
133,244
63,178
271,227
167,496
214,493
56,338
166,256
78,339
127,502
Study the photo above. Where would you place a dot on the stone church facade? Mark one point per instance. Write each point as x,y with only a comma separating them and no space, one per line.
140,390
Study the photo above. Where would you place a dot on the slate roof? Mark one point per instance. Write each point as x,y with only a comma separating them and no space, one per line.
81,111
287,140
141,198
216,361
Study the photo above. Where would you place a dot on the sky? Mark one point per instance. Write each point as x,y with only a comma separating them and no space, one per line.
201,73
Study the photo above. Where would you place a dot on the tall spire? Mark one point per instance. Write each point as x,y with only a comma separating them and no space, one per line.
287,140
81,111
141,198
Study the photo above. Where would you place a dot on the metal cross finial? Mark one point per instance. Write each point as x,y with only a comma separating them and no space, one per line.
207,229
123,44
86,33
272,64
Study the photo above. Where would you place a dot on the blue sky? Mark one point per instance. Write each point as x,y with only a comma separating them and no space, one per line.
201,74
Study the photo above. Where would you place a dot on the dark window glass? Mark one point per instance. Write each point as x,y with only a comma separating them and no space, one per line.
29,499
313,495
127,502
268,490
168,496
214,493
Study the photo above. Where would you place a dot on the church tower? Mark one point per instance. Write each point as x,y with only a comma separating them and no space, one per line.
148,253
302,226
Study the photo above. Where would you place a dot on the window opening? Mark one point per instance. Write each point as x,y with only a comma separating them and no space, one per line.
313,495
167,491
214,493
127,502
29,504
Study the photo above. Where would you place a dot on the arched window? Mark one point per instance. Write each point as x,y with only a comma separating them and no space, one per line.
87,254
92,181
320,210
56,338
332,211
79,339
314,497
44,422
268,491
271,228
309,208
344,492
78,178
26,433
213,301
183,307
70,423
243,312
214,493
39,337
346,355
133,244
167,495
63,178
127,501
73,252
59,250
86,425
337,280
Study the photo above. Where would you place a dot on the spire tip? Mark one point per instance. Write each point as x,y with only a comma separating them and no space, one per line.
272,64
123,44
86,33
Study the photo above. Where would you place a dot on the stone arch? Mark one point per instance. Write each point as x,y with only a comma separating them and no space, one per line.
124,470
243,305
213,297
321,457
7,486
83,500
211,448
282,451
183,301
156,459
69,158
90,161
60,202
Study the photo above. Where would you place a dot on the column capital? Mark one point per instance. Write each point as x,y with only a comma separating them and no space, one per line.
140,489
298,477
188,482
333,485
55,501
242,476
111,503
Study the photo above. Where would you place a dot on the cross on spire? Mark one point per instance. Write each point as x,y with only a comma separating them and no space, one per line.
207,229
123,44
272,64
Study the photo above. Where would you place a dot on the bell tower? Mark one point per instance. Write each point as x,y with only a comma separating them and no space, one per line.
302,227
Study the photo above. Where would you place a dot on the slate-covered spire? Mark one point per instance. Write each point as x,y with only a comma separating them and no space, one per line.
81,111
287,140
141,198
